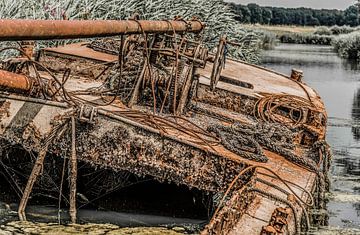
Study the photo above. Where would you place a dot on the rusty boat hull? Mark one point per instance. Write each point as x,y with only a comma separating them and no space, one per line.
248,136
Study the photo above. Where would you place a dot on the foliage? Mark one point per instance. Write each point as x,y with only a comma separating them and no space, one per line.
337,30
253,13
348,45
323,30
268,39
351,16
300,38
215,13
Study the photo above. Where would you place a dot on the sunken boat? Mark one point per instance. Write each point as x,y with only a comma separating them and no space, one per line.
146,109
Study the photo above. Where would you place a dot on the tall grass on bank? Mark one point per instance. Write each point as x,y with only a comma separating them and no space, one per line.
335,30
215,13
300,38
268,39
348,45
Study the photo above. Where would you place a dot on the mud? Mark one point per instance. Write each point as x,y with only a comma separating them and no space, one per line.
18,227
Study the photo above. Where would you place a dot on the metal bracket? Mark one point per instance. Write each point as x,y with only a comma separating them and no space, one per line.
278,222
87,113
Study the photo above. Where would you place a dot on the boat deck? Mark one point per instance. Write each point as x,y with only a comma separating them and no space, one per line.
264,81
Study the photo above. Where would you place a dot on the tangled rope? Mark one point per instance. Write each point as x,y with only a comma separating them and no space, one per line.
238,137
271,108
235,141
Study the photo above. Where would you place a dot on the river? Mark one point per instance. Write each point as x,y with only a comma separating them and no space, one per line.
338,83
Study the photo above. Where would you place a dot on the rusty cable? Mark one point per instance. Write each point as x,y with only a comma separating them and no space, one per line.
17,189
251,168
60,190
148,65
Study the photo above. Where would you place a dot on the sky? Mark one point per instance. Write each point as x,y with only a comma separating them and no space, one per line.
327,4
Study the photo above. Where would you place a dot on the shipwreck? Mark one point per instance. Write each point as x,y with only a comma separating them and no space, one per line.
145,103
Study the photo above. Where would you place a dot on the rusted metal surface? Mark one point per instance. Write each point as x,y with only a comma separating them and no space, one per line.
278,222
15,82
263,81
297,75
261,209
28,48
16,30
79,50
4,109
232,212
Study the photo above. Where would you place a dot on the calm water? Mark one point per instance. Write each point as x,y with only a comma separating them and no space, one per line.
338,83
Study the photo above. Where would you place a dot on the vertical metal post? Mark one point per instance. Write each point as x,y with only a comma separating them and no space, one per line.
73,173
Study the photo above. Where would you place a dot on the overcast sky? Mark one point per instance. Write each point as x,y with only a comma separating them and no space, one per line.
328,4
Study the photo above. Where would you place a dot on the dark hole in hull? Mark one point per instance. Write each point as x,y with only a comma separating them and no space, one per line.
103,189
156,198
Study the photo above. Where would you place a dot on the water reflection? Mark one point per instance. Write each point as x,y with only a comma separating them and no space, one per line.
351,65
338,83
355,113
350,166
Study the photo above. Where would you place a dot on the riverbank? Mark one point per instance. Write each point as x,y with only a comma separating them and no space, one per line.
281,29
18,227
344,39
294,34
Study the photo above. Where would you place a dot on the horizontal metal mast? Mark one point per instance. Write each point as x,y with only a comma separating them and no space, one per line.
18,29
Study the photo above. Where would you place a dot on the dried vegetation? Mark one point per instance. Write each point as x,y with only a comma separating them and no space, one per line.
215,13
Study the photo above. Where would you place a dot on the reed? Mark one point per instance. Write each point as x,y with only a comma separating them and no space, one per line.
348,45
268,39
300,38
335,30
215,13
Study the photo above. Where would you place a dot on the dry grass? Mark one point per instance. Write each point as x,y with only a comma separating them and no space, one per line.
215,13
281,29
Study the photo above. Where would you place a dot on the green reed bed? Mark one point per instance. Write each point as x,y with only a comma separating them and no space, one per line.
300,38
348,45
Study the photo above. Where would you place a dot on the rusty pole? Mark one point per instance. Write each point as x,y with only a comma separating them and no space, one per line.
15,82
18,29
73,173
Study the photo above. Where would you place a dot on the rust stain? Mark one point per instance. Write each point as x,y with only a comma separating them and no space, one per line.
4,109
16,30
15,82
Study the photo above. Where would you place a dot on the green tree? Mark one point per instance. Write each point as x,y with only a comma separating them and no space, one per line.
267,15
279,16
246,14
351,16
256,13
253,13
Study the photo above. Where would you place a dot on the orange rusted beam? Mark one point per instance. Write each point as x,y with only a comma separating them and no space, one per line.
17,29
14,82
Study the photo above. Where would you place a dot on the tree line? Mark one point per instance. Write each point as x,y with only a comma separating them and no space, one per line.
253,13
